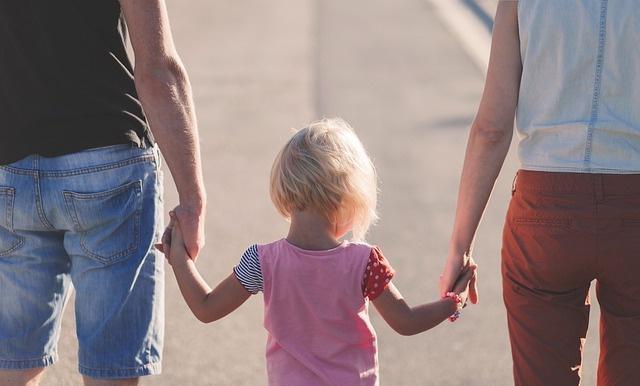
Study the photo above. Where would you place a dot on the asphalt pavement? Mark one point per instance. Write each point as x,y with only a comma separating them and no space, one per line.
394,71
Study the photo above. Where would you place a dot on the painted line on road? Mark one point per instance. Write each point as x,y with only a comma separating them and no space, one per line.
481,13
469,23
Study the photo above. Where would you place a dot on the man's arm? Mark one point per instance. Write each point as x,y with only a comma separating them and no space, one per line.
165,93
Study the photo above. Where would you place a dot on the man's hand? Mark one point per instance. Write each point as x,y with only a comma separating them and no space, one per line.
192,224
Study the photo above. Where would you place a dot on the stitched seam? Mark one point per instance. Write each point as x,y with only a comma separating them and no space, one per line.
136,185
597,86
115,257
9,193
39,206
542,221
80,171
122,368
45,357
71,209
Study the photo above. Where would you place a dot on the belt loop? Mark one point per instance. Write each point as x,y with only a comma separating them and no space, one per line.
513,184
598,187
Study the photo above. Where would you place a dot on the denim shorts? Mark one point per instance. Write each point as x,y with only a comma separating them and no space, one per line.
87,221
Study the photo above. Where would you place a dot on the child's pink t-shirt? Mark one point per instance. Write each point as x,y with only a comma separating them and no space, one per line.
316,313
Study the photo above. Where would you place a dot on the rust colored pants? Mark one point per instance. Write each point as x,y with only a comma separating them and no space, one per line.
562,231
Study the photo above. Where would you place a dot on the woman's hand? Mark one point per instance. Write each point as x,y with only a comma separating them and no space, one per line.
466,282
449,280
489,140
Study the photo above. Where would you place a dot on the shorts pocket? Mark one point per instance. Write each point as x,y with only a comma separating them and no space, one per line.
108,222
9,241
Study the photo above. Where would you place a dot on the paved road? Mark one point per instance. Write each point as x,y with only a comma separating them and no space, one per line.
391,69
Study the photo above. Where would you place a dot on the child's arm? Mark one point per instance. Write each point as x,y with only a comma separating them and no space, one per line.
407,320
206,304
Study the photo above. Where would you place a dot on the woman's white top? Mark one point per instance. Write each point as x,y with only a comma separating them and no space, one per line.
579,103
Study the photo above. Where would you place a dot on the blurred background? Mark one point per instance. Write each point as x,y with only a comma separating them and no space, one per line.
408,76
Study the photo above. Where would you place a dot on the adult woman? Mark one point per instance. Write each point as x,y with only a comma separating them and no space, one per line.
570,70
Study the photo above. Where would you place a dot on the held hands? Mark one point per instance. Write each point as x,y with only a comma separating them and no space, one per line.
454,270
191,219
173,244
465,280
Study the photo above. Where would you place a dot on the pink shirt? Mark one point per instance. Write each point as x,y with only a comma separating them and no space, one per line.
317,317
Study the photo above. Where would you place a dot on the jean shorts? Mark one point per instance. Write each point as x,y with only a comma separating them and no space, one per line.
88,221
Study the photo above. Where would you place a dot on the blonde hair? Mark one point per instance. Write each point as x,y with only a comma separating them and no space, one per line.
324,167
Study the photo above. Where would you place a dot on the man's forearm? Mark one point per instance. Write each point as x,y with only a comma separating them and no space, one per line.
166,97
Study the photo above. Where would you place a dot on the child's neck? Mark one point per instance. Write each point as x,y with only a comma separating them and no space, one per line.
312,231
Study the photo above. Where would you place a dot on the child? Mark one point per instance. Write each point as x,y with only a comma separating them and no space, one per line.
317,288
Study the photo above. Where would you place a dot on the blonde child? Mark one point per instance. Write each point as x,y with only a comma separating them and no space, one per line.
316,287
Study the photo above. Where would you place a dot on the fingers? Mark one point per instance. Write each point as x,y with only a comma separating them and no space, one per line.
192,232
473,289
447,282
464,279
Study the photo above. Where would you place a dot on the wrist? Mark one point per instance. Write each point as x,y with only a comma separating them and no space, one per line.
195,203
458,304
179,263
451,304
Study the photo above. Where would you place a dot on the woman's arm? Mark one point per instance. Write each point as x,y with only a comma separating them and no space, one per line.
206,304
407,320
488,142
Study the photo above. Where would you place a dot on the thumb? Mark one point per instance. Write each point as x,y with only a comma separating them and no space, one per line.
473,289
447,281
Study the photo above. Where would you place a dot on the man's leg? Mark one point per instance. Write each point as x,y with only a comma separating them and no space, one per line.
35,285
116,211
31,377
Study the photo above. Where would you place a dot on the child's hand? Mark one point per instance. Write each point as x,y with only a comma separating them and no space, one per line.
164,245
173,242
468,274
177,249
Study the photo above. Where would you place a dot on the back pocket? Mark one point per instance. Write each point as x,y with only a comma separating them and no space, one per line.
9,241
107,224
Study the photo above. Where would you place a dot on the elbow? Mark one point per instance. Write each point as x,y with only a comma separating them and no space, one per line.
206,319
404,328
491,133
160,72
404,331
203,318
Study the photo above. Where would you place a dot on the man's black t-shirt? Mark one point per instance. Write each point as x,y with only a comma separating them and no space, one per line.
66,83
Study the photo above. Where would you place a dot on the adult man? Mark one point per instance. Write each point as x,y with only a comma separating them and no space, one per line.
80,185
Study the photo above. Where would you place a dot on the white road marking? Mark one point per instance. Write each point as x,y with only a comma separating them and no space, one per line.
470,31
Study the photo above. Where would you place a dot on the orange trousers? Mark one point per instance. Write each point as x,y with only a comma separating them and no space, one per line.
562,231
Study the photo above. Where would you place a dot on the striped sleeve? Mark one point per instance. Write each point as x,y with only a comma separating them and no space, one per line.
248,271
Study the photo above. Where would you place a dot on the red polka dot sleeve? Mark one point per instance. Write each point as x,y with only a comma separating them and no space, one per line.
377,275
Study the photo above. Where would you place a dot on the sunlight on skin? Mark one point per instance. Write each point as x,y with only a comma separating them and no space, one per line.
110,382
29,377
33,377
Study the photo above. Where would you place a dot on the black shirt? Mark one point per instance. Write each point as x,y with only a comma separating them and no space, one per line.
66,82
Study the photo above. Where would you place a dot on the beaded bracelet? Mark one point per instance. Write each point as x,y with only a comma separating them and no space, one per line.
456,298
